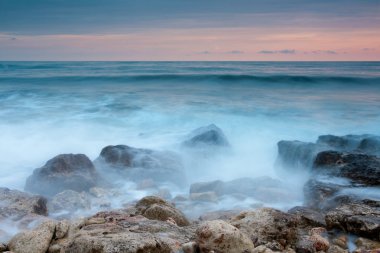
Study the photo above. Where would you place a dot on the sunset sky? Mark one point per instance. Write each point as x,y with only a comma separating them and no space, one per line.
189,30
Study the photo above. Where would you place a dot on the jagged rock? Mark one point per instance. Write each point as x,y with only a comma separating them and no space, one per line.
69,201
316,192
360,168
267,225
119,231
141,164
61,229
210,135
360,219
308,216
16,204
33,241
156,208
219,236
366,244
63,172
341,143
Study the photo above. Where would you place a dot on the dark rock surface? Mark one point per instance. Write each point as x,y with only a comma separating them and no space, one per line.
141,164
63,172
359,168
210,135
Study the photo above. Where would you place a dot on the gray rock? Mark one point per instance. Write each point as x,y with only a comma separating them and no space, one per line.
63,172
16,204
33,241
210,135
220,236
70,201
156,208
141,164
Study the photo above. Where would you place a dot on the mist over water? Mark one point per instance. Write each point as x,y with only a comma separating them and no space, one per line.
51,108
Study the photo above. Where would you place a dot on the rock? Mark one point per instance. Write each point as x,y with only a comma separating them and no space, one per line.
156,208
213,186
16,204
33,241
210,135
297,154
3,247
370,145
341,143
220,236
70,201
219,215
123,232
341,241
366,244
305,245
63,172
61,229
308,216
190,247
336,249
141,164
316,193
360,168
267,225
262,249
359,219
204,197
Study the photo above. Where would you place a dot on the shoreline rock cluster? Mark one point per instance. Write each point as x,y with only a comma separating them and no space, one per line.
333,219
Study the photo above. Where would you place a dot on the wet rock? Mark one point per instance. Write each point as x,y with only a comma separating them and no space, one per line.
360,168
316,192
267,225
370,145
309,217
69,201
204,197
219,236
297,154
16,204
210,135
341,143
33,241
156,208
141,164
213,186
119,231
63,172
359,219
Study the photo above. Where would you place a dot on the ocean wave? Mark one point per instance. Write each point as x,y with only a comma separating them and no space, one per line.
199,78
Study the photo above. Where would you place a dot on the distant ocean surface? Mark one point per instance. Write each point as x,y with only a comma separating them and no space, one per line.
48,108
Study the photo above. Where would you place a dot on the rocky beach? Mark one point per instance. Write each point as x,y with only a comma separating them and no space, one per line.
66,205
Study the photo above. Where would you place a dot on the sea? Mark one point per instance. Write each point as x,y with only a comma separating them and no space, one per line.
51,108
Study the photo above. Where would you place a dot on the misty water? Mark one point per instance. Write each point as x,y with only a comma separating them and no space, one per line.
51,108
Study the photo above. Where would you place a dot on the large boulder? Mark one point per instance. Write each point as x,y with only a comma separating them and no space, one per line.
119,231
342,143
267,226
360,219
359,168
155,208
220,236
63,172
33,241
210,135
141,164
370,145
308,217
317,193
16,204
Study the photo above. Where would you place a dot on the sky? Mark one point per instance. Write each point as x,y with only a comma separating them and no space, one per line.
213,30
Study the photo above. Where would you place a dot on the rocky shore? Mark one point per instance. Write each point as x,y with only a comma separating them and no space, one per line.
68,206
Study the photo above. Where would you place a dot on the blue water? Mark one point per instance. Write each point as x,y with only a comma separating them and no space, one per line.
47,108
